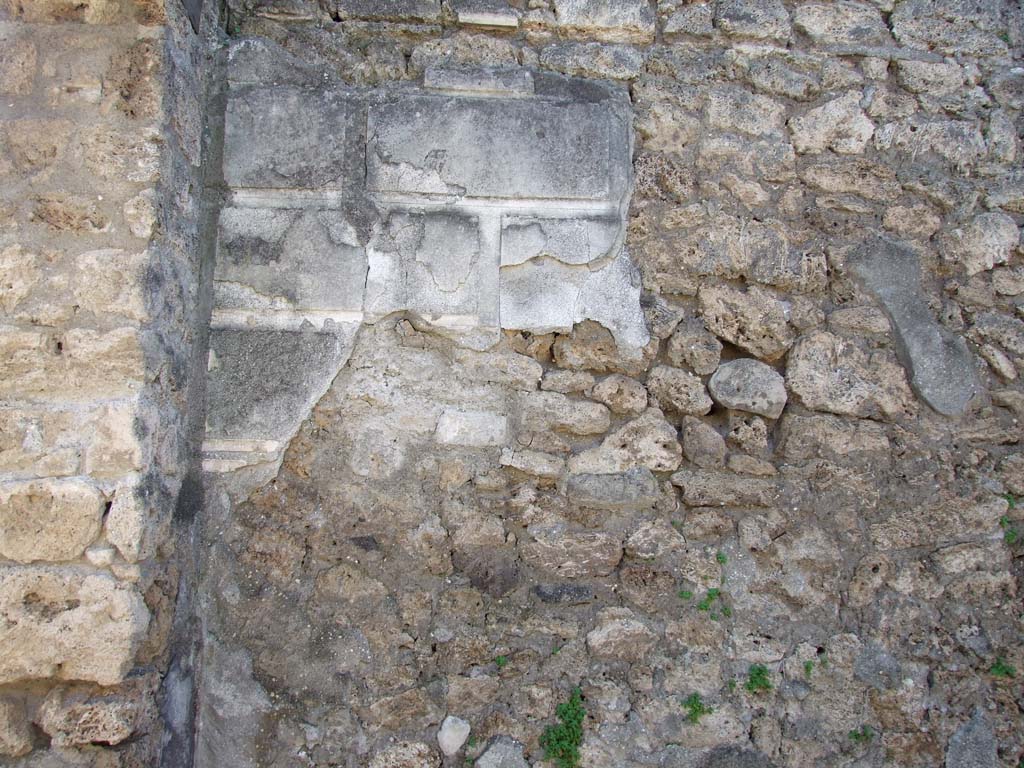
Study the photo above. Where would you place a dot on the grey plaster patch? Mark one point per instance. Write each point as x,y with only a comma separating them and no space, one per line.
576,240
545,295
940,365
289,258
492,81
261,383
496,148
431,264
286,137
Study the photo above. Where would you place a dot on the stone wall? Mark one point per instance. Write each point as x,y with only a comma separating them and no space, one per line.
100,181
730,439
668,351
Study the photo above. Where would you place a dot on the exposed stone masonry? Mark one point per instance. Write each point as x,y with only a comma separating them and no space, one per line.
659,349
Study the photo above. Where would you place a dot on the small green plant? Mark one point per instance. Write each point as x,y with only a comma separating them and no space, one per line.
696,708
731,684
562,742
555,650
757,679
685,594
501,661
863,735
808,669
726,610
1010,533
712,595
721,559
1002,669
471,743
1011,500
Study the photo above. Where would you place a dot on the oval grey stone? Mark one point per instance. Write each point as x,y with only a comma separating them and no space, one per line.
749,385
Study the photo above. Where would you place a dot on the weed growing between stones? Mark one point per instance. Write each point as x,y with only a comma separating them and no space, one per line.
696,708
1002,669
1010,534
501,661
757,679
808,669
562,742
863,735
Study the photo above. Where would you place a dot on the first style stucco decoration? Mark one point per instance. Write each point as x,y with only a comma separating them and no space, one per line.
478,201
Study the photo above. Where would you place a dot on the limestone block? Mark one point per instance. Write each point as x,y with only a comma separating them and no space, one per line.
287,137
607,19
570,383
749,385
570,554
579,240
846,22
471,428
76,366
493,81
731,108
833,375
289,258
710,488
452,735
987,240
18,65
620,636
935,78
433,145
593,347
485,13
809,437
607,61
940,365
759,19
261,383
959,142
621,491
546,295
646,441
702,444
679,391
973,744
138,522
15,730
536,463
623,395
117,155
872,181
692,345
406,754
432,264
68,623
389,10
503,752
945,28
754,320
839,125
543,411
48,519
79,716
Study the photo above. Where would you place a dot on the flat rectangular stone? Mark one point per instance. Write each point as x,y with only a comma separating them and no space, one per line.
262,383
505,82
286,137
494,148
607,19
389,10
485,13
280,258
433,264
578,240
471,428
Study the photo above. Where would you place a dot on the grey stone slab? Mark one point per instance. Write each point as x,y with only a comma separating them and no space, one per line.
941,366
388,10
481,80
485,13
609,19
259,61
577,240
973,745
276,258
545,295
498,148
433,264
287,137
262,383
630,490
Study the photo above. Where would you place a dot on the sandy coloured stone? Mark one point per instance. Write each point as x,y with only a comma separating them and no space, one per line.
406,755
677,390
646,441
702,444
731,108
76,717
623,20
15,729
134,524
846,22
830,374
987,240
621,491
68,623
17,65
48,520
537,463
472,428
754,320
693,345
621,394
570,554
959,143
620,636
819,436
711,488
542,411
839,125
758,19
